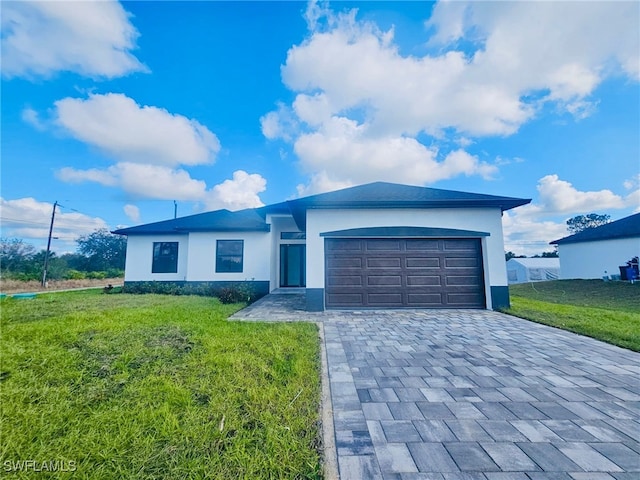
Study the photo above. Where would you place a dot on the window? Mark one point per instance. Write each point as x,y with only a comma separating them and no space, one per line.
229,256
165,257
293,235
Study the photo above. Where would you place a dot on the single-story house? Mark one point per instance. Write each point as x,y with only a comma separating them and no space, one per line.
600,251
380,245
523,270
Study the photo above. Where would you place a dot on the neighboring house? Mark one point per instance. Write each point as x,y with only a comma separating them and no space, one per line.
380,245
522,270
592,252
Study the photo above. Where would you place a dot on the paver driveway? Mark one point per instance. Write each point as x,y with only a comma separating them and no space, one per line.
473,394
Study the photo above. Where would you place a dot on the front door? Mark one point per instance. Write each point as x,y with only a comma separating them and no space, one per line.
292,265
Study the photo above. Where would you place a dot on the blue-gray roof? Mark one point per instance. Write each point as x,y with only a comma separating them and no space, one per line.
218,221
393,195
624,228
372,195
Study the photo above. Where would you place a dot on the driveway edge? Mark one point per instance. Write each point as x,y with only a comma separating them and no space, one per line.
330,454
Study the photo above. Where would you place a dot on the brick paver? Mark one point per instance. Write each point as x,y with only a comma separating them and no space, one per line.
457,394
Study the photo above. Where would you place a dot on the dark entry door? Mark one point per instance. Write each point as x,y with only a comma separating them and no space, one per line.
292,265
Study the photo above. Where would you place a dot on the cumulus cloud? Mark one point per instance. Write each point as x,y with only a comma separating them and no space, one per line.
130,132
132,212
164,183
92,38
29,219
344,152
529,229
354,85
237,193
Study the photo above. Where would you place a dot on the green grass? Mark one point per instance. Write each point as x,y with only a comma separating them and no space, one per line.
608,311
149,386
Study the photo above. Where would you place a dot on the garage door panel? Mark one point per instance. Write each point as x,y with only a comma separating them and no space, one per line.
426,244
382,245
424,262
345,299
459,244
396,273
347,245
384,299
461,300
384,280
459,280
423,280
425,299
461,262
345,281
344,262
384,262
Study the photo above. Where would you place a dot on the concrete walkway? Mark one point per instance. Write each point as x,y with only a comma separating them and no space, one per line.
472,394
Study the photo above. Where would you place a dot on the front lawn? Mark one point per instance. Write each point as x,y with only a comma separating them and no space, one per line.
149,386
608,311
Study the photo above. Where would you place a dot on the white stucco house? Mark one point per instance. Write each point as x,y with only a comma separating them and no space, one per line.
379,245
592,252
523,270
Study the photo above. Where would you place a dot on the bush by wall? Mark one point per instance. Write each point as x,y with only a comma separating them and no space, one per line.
227,292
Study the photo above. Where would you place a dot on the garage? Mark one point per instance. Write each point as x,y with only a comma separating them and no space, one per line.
404,272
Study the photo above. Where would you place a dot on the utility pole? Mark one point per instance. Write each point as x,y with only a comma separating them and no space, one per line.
175,209
46,256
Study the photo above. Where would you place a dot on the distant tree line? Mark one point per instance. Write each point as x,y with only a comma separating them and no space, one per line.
98,255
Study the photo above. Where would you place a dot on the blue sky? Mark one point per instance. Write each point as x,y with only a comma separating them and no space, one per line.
115,110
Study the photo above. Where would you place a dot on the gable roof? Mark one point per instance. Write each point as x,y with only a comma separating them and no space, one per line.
624,228
372,195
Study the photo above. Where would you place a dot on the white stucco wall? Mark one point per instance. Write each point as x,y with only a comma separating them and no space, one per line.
477,219
591,259
197,257
140,258
201,266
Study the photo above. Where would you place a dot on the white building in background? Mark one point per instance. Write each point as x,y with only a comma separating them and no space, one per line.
600,251
523,270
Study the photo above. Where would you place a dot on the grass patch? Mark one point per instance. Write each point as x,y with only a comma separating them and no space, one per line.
130,386
607,311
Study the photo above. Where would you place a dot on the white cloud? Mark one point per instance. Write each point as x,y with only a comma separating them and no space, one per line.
28,218
529,229
92,38
30,116
237,193
346,154
353,84
164,183
560,196
141,180
132,212
320,183
129,132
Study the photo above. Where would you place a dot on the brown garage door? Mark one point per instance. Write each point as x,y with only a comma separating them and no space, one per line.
409,273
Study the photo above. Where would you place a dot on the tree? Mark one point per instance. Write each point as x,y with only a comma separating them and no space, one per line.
552,254
103,249
583,222
509,255
14,253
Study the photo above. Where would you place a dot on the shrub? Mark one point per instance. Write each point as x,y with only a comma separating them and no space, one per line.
97,275
75,275
232,292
